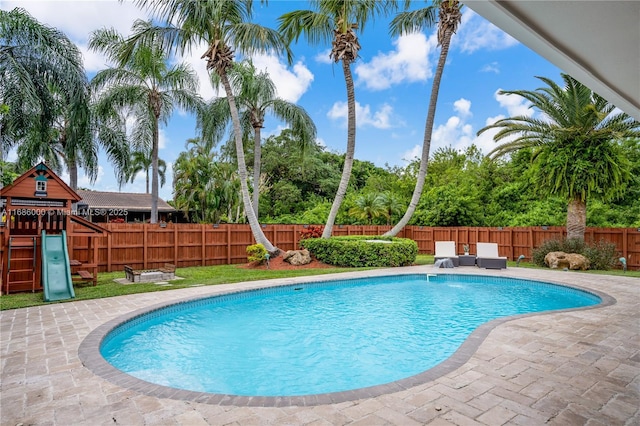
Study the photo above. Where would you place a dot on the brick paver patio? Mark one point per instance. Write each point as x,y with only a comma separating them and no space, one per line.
578,367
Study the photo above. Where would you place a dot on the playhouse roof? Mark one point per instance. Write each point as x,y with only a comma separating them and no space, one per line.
122,200
23,186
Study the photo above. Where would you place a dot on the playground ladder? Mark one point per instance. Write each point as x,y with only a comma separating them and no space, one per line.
21,243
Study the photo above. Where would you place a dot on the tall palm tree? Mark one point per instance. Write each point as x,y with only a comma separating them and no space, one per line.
221,24
141,161
448,17
335,21
148,87
256,96
46,92
576,145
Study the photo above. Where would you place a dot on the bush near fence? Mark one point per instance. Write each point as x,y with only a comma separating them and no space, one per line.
144,246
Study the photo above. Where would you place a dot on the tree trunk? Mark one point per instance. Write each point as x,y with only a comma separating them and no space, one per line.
154,173
351,147
73,174
257,162
242,170
576,218
426,143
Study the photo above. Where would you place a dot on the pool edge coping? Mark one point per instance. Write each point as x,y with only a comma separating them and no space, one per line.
90,357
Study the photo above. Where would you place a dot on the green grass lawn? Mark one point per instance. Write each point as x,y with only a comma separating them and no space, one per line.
206,275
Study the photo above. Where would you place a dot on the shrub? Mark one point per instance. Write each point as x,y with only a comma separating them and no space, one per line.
361,251
256,253
311,231
602,255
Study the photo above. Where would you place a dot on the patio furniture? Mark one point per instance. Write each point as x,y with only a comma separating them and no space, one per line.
446,250
487,256
467,260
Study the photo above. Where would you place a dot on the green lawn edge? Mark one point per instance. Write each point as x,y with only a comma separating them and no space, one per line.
209,275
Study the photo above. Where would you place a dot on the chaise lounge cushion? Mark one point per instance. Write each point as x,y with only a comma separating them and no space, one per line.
487,256
446,250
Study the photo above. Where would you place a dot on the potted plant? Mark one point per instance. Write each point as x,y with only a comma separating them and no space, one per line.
465,247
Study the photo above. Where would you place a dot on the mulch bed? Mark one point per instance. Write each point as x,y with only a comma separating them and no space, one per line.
278,264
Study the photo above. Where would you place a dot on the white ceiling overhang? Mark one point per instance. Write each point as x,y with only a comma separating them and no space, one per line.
596,42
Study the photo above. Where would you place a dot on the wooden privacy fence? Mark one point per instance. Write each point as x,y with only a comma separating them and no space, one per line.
145,246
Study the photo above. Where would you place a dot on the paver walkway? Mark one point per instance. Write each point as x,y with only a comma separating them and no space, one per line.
567,368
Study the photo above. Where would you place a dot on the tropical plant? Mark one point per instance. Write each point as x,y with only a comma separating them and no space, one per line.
220,24
575,143
391,205
256,253
46,94
367,207
141,161
205,189
448,18
335,21
256,96
145,85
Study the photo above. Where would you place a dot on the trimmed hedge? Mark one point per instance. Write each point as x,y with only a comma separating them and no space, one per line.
363,251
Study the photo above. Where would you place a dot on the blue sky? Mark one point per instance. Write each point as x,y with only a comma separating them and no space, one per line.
393,78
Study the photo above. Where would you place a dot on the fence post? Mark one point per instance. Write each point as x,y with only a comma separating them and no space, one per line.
511,243
203,247
109,260
144,246
228,244
175,246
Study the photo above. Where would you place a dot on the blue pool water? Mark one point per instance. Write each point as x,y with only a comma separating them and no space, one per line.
321,337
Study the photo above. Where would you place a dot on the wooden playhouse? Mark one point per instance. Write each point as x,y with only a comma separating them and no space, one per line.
38,206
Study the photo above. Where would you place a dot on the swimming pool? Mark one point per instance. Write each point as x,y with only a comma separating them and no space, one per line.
322,337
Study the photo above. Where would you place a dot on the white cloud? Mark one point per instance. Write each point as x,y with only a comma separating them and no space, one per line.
412,154
476,33
463,107
290,84
163,139
455,133
409,62
493,67
88,16
514,104
78,18
380,119
324,57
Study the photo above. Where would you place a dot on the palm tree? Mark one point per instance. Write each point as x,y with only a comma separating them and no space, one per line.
368,207
148,87
575,145
448,17
391,205
141,162
205,188
256,96
46,92
221,24
336,21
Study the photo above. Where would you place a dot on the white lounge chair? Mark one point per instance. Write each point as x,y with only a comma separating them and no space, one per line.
487,256
446,250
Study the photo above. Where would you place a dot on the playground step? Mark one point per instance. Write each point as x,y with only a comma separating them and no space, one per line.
85,275
22,243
